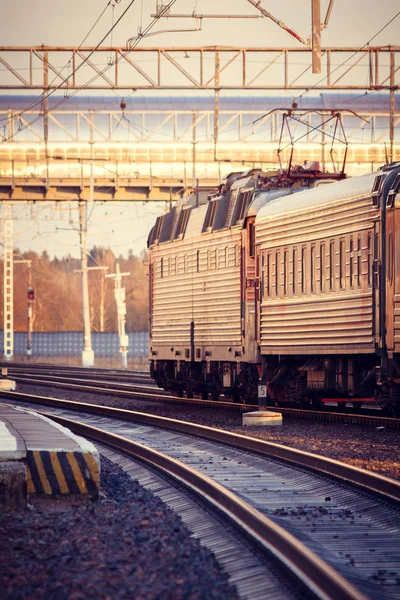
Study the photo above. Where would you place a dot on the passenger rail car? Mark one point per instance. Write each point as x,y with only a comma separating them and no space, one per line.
277,281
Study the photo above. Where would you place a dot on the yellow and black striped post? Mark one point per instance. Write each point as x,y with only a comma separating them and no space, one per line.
59,473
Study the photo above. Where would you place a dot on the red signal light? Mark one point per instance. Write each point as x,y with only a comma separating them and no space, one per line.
31,294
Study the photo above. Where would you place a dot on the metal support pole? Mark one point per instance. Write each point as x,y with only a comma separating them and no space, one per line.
316,35
31,303
45,107
216,104
119,293
8,276
91,141
194,150
87,354
30,313
10,125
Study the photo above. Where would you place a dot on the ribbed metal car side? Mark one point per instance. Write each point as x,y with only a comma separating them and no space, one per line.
318,295
197,280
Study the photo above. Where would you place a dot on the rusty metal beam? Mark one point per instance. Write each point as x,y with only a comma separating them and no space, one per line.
172,68
105,189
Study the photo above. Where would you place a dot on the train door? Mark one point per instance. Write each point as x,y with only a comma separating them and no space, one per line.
375,282
150,296
393,271
252,282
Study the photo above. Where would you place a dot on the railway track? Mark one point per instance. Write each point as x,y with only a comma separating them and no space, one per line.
346,516
138,387
92,372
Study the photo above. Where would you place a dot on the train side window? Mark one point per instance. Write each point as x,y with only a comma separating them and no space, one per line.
342,264
262,282
376,259
277,274
295,266
252,240
370,259
269,274
198,260
332,265
351,263
285,271
162,268
303,270
390,258
312,267
322,269
358,261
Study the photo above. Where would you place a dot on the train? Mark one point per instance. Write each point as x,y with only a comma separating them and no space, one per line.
280,288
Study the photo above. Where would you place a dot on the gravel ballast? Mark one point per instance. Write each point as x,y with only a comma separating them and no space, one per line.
127,544
374,448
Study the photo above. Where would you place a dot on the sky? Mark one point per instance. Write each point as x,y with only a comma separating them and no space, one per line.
58,22
66,23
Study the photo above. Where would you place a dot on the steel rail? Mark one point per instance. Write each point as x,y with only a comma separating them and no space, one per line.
62,368
314,572
296,413
378,484
27,371
102,381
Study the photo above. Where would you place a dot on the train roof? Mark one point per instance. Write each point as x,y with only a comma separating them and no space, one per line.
263,198
356,187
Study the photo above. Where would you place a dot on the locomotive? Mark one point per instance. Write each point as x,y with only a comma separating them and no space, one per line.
289,279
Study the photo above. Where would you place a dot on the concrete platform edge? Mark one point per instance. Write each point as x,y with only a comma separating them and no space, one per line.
56,472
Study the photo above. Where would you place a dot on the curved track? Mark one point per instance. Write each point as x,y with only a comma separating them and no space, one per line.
326,505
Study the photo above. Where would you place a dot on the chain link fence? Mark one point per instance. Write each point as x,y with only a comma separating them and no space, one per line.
70,343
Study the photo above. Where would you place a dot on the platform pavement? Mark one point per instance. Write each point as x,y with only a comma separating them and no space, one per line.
38,456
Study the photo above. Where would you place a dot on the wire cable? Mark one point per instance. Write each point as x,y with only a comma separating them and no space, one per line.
44,97
350,57
99,74
37,102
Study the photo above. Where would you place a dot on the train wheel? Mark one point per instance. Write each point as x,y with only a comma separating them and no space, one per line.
235,396
316,403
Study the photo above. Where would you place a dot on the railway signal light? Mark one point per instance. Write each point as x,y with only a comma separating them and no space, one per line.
31,294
